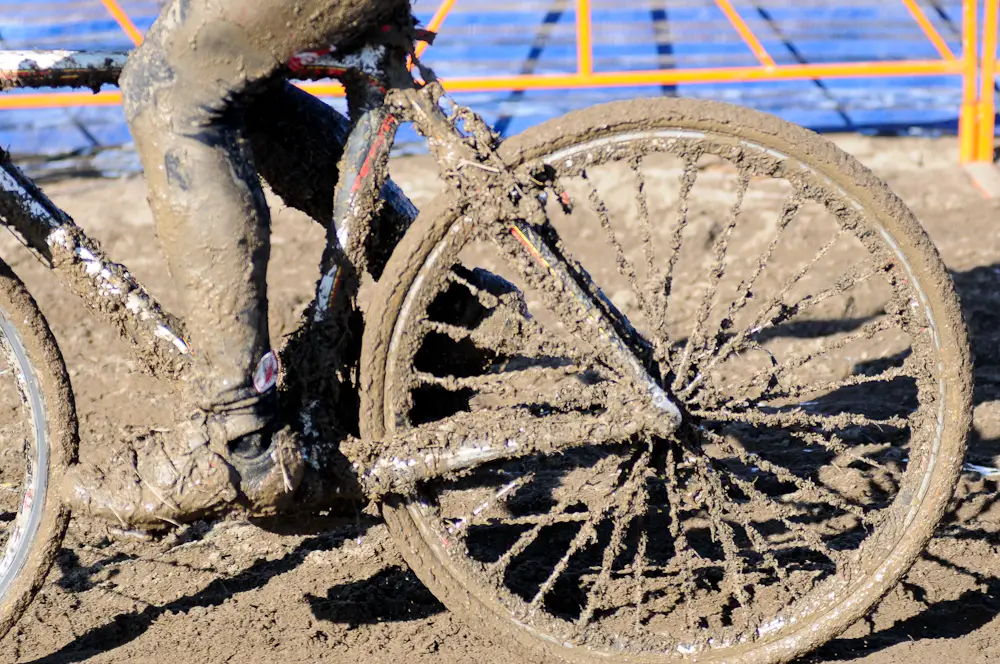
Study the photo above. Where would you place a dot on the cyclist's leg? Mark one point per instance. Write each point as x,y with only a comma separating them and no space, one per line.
184,93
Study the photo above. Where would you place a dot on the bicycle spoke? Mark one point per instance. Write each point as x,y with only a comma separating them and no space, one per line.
773,374
760,500
758,541
624,509
744,293
671,483
688,179
653,274
790,210
800,418
750,459
760,544
785,312
505,492
638,571
656,315
588,532
453,332
625,267
534,520
697,336
813,391
715,500
555,515
533,342
486,299
837,446
683,551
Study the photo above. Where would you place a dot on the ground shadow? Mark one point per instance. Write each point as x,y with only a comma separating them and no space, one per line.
127,627
393,595
951,619
79,578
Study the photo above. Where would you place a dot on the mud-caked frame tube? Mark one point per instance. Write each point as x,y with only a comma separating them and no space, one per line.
363,172
107,288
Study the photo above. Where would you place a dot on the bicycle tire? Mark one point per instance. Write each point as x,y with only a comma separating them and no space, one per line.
37,530
450,583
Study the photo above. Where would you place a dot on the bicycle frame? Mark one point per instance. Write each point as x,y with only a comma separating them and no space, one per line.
381,90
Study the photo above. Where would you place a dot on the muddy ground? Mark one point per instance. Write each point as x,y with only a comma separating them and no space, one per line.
326,591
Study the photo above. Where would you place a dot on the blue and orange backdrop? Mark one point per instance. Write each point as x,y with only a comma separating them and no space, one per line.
885,66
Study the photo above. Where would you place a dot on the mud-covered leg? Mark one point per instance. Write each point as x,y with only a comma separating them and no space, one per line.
184,94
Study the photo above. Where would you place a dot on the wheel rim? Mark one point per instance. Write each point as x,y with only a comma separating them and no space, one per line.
23,454
713,451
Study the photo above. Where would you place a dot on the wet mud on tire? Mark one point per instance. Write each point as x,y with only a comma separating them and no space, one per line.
320,591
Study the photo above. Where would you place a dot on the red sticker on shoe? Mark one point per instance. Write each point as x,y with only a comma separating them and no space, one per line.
266,376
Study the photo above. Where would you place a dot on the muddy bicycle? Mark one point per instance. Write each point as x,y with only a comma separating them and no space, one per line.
660,380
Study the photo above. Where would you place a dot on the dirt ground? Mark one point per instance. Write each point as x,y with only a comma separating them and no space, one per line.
339,592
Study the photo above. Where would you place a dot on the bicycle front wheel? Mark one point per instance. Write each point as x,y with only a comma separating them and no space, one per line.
788,302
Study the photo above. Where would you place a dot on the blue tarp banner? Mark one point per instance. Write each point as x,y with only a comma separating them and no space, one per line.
506,37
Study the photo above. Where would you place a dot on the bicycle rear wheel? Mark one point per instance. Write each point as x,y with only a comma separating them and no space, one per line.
798,314
38,441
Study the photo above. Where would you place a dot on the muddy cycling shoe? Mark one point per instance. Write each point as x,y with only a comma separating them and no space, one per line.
149,483
158,479
268,475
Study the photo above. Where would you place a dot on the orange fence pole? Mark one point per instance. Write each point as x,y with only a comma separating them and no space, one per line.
439,16
679,76
584,39
123,20
968,123
749,38
59,100
877,69
987,99
929,30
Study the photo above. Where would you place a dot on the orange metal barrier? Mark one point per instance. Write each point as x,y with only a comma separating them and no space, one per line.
986,117
747,35
123,20
977,114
